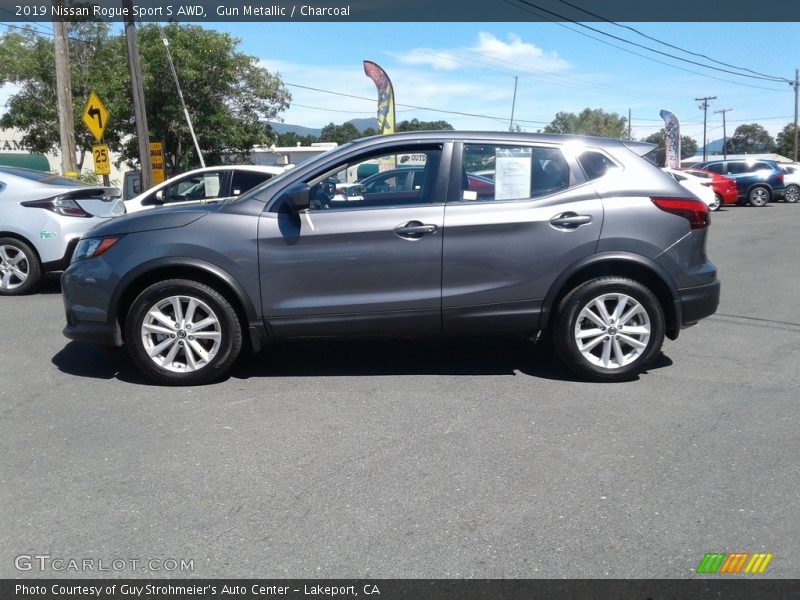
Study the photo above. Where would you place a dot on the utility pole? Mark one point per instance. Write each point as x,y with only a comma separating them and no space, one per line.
514,102
629,123
142,133
724,132
704,106
66,123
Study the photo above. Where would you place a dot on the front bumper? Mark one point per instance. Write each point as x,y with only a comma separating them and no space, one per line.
698,302
93,332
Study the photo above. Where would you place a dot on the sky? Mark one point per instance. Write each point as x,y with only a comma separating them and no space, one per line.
470,68
448,68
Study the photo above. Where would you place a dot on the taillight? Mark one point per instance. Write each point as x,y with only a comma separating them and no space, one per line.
59,205
694,211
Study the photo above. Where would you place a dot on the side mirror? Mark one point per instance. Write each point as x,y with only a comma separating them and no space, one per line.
298,197
160,197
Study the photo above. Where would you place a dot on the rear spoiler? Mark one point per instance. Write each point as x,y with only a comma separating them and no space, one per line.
640,148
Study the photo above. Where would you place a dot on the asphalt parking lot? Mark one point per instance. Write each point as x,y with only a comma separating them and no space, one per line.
468,458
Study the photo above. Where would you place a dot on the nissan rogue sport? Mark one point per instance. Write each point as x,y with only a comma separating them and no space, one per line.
578,237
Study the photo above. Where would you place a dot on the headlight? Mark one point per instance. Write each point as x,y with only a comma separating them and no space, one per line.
92,247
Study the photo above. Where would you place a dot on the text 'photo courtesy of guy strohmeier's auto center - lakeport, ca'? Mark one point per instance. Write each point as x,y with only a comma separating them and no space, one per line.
399,300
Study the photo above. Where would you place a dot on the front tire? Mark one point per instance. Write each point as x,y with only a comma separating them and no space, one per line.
717,204
609,329
182,332
759,196
792,193
20,270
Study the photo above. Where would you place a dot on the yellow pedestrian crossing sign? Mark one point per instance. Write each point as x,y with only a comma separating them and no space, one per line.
95,116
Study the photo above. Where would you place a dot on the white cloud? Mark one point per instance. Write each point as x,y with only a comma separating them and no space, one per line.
488,51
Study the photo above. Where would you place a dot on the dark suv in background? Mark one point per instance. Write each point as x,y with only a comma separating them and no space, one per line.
578,237
757,181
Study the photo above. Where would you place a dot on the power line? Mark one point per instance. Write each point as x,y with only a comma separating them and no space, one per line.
559,18
698,54
412,106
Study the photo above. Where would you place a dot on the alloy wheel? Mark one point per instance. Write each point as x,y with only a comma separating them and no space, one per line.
14,268
612,330
181,334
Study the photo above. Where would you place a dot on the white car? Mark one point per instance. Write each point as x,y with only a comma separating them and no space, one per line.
699,186
791,177
42,217
209,184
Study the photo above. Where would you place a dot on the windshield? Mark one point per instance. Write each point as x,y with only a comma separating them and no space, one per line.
322,156
42,177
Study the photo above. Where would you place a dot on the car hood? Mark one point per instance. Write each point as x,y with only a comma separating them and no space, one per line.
167,218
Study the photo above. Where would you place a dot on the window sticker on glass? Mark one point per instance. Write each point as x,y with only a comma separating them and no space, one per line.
512,173
211,183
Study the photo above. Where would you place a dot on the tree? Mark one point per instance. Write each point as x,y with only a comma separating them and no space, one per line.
785,141
28,60
227,93
751,139
589,122
340,134
291,138
688,146
417,125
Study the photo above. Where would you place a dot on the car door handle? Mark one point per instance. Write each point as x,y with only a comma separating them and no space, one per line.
570,220
414,230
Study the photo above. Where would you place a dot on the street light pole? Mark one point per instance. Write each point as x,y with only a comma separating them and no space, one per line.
514,103
724,132
796,82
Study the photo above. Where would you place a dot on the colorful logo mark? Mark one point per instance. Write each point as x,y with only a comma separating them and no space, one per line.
720,562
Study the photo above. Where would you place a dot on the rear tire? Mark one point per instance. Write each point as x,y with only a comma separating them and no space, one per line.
609,329
20,270
759,196
182,332
717,204
791,194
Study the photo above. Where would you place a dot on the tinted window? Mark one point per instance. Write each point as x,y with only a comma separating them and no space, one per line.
595,164
390,179
715,168
245,180
520,172
735,168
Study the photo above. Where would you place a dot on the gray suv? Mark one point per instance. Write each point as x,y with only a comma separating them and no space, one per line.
579,238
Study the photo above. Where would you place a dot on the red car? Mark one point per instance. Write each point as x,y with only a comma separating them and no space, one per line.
724,187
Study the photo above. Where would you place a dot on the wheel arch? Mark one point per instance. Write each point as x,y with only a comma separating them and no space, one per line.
22,238
136,281
622,264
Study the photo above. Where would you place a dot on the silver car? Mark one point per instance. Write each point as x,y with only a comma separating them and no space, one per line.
580,238
42,217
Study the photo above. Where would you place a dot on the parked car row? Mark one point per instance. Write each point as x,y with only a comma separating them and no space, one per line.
569,238
43,216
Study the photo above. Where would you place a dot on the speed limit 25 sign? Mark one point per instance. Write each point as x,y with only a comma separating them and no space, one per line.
102,164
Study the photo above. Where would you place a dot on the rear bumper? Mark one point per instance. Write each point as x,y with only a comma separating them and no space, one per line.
698,302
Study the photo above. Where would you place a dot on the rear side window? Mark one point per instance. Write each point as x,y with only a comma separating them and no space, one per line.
595,164
245,180
520,172
759,166
735,168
